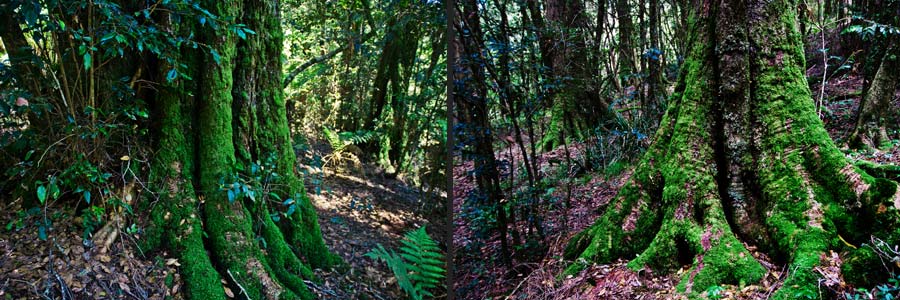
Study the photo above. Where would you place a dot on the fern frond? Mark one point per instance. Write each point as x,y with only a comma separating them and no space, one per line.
419,267
334,139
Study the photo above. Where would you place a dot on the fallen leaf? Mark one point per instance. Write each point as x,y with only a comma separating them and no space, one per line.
172,262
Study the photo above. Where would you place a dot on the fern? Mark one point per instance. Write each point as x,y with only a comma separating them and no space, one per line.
418,268
334,139
343,147
358,137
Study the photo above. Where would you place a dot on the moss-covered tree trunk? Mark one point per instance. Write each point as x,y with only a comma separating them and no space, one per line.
874,109
741,157
212,130
576,104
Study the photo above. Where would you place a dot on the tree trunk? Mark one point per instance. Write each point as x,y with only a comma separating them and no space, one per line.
470,96
577,106
653,107
387,67
874,109
241,120
742,157
626,41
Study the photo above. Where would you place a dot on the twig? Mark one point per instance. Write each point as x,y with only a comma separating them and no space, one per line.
316,287
824,73
239,285
51,146
518,286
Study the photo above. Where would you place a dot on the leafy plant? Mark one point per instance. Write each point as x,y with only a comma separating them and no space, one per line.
714,292
343,147
259,182
418,268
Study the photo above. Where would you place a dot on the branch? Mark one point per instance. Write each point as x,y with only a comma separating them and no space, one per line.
293,74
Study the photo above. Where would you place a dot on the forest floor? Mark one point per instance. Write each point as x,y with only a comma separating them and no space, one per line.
356,212
534,275
359,210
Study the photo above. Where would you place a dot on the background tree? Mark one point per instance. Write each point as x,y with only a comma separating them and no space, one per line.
387,63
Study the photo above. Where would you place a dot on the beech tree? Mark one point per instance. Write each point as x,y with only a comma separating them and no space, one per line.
741,158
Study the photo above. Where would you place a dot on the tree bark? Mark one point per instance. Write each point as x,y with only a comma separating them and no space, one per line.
470,96
626,40
874,109
241,119
742,157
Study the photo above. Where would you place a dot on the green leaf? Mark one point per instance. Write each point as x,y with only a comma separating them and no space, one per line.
87,60
853,28
215,55
87,196
54,190
291,210
62,25
42,194
171,75
108,36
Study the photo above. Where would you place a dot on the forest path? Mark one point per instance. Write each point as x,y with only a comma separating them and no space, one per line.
357,211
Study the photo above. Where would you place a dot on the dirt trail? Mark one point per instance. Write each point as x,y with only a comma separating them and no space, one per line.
358,212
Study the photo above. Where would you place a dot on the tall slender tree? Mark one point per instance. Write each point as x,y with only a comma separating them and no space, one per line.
874,109
476,140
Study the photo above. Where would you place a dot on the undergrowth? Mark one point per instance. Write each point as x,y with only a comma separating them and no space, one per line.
419,267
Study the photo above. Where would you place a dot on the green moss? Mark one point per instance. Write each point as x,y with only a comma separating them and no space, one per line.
878,170
862,267
566,125
808,191
285,264
302,231
882,191
175,222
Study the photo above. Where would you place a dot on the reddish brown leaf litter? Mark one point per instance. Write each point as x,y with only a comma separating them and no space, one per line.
480,278
62,267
